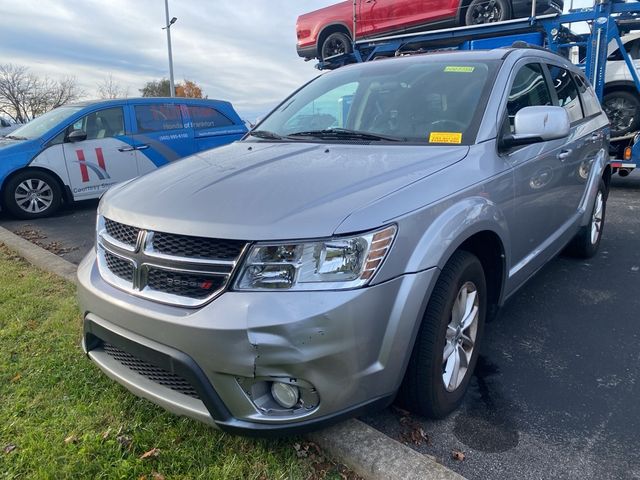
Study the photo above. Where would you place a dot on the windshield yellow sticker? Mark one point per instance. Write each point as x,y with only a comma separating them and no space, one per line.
445,137
458,69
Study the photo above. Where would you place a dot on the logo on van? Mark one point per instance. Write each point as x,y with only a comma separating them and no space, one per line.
100,169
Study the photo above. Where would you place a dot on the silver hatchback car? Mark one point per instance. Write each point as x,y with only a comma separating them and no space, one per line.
351,248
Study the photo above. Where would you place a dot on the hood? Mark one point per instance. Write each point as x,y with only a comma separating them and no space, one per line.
272,191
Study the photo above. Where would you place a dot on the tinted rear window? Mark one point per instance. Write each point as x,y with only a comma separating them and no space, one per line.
207,117
153,118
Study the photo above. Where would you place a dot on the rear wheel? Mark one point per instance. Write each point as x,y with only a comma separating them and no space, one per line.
32,194
446,349
623,110
586,243
335,44
487,11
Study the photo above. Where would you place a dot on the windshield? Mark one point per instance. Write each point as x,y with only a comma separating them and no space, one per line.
417,99
42,124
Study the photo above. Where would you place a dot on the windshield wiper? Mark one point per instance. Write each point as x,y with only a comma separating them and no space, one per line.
345,133
266,135
13,137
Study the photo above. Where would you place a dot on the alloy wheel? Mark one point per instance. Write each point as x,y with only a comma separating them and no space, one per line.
486,12
33,195
596,220
621,113
460,336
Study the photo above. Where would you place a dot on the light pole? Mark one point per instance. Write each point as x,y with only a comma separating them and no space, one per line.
168,29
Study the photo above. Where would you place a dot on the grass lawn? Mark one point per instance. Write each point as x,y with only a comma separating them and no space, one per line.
60,417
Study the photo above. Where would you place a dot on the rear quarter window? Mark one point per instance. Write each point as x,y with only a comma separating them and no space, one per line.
154,118
207,117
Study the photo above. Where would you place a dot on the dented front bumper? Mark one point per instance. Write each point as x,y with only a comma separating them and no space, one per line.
351,347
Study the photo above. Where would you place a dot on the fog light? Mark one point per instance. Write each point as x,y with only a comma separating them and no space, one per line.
286,395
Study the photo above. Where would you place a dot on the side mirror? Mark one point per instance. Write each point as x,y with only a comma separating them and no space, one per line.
538,124
77,136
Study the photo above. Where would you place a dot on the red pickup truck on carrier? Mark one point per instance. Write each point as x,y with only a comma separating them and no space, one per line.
329,31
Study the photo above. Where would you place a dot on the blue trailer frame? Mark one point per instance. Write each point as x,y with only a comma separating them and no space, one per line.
607,19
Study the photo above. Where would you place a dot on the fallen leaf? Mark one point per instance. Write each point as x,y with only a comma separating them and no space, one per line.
151,453
71,439
106,433
124,440
457,455
10,448
16,378
157,476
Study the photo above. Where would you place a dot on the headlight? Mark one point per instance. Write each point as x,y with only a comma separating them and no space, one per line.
335,263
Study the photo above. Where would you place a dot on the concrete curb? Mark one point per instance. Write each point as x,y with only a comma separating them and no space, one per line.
38,256
368,452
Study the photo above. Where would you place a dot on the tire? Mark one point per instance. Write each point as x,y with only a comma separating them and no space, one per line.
335,44
623,110
32,194
423,390
487,11
587,241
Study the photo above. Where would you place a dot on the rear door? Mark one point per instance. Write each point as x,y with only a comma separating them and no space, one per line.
162,134
582,144
104,158
211,128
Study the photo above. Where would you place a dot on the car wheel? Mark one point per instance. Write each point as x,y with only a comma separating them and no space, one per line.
335,44
32,194
623,109
487,11
446,348
586,243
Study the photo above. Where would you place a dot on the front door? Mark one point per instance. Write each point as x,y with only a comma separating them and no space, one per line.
101,156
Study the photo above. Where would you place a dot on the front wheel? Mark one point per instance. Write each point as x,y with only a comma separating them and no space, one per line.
446,349
32,194
335,44
487,11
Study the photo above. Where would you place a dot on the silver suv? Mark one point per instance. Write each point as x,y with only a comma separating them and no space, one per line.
351,248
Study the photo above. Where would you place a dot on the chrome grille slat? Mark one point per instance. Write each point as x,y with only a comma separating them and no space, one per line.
169,268
155,374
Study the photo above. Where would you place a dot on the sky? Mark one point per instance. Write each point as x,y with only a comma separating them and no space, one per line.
243,51
237,50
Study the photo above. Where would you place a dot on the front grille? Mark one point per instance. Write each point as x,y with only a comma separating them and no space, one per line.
164,267
121,232
197,247
120,267
191,285
150,371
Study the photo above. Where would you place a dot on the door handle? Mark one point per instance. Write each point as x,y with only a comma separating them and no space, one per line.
564,154
370,1
595,137
126,149
142,147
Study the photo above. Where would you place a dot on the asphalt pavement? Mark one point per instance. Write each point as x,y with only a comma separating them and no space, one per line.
557,390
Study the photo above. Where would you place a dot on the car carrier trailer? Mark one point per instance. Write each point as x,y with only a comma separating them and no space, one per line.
607,21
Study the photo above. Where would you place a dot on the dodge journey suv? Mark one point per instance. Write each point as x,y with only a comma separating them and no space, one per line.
350,248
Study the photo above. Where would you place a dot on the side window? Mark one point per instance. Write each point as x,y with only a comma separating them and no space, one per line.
158,117
330,110
101,124
207,117
589,100
529,89
567,91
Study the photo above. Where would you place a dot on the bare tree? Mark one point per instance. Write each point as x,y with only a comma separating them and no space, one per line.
109,88
24,95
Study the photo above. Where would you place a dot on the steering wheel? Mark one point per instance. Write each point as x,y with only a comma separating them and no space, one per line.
448,125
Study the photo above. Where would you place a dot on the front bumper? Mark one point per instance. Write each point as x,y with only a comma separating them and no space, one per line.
352,346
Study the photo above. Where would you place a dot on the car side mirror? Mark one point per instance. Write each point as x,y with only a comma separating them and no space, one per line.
77,136
538,124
